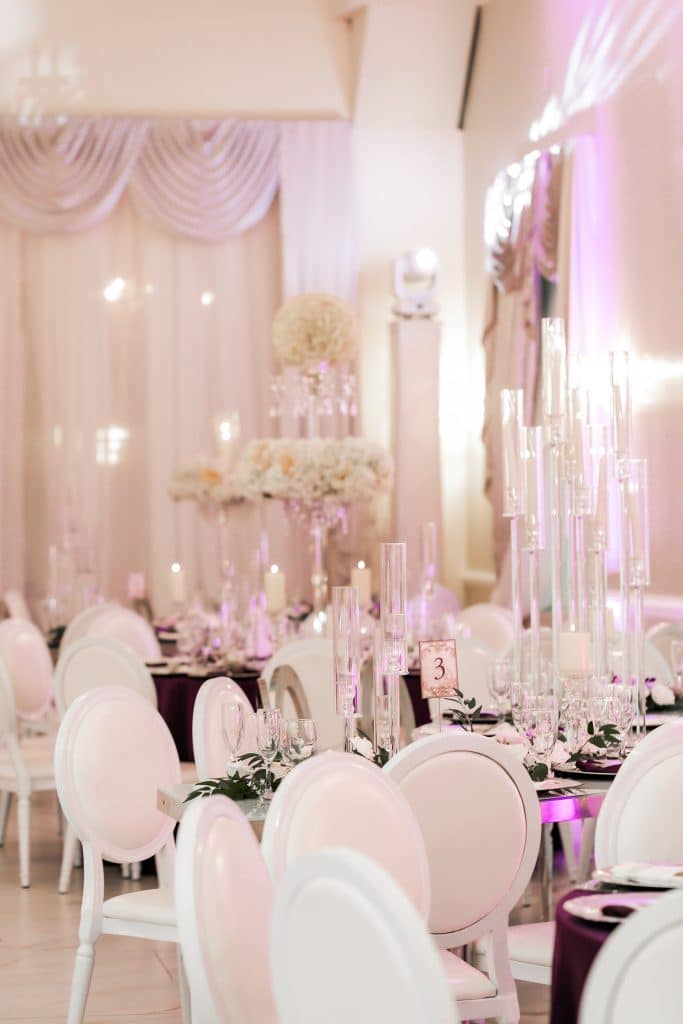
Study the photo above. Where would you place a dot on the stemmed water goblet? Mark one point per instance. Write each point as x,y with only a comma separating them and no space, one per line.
232,723
299,739
268,741
500,682
539,720
622,703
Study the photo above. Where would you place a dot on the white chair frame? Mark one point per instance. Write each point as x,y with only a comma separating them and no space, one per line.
492,925
94,919
144,685
617,965
79,626
193,861
28,778
415,975
212,694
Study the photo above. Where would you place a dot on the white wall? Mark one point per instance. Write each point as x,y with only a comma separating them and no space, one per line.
625,103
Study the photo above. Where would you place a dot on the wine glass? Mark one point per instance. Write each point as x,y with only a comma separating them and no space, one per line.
540,723
500,682
232,722
268,739
622,705
299,739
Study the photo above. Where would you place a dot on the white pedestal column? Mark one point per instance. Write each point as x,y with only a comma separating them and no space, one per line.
416,346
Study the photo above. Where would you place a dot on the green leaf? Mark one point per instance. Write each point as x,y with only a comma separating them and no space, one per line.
591,729
538,772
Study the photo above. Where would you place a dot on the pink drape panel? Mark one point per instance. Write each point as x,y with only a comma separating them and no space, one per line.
207,179
65,177
317,207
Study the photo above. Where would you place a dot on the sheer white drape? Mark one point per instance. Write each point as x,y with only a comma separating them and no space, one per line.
188,336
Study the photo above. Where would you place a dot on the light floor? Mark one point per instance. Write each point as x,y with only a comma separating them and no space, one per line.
134,980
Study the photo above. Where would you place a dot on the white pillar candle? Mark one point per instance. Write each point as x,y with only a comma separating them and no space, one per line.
177,583
575,653
361,579
275,589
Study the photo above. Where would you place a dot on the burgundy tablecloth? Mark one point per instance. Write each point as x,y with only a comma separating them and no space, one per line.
577,943
176,696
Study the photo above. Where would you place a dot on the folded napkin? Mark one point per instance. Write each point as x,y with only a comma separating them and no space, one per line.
639,871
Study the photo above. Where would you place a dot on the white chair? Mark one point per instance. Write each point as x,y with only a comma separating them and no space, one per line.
636,975
80,624
85,665
25,767
312,661
348,945
210,749
344,800
662,636
16,605
474,665
129,628
224,905
488,624
641,819
481,849
28,664
113,751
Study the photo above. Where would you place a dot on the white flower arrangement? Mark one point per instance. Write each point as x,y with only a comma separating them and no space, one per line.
662,695
208,485
314,329
314,470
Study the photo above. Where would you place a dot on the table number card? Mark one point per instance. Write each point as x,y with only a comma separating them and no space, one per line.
438,668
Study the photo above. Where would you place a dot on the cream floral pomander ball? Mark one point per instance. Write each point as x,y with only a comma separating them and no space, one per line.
311,329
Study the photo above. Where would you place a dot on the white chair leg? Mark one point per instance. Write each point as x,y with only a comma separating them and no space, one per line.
184,990
125,871
5,804
586,853
24,809
136,871
68,857
60,818
80,984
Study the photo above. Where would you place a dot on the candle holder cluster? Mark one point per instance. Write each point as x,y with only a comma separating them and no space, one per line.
580,458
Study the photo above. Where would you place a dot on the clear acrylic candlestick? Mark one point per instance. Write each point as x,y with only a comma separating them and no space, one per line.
598,545
346,652
394,608
579,474
620,416
512,411
428,557
534,539
554,398
638,572
386,701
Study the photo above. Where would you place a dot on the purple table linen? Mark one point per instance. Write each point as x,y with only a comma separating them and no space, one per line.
577,943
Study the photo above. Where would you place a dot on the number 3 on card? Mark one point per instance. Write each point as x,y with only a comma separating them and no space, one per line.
438,668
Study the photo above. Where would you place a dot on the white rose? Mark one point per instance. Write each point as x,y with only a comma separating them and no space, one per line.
363,746
560,754
515,743
662,695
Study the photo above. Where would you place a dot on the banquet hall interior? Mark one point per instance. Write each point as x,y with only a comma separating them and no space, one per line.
341,591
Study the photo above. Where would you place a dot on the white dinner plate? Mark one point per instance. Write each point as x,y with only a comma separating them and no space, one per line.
593,907
641,876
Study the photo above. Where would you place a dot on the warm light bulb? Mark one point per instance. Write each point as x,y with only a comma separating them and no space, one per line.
113,291
207,298
176,567
274,569
361,564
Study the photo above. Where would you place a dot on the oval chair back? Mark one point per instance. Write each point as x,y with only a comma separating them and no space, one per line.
488,624
113,751
641,818
210,748
128,628
344,800
28,664
223,896
100,661
312,663
348,945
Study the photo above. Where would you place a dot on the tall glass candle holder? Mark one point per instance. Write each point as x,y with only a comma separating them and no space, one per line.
386,701
534,536
620,415
428,557
512,411
638,571
394,608
554,399
346,652
598,545
579,475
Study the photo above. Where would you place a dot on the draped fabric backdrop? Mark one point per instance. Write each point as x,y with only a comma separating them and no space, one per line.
142,266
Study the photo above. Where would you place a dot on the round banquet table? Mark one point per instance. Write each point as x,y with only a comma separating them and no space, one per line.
577,943
176,695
